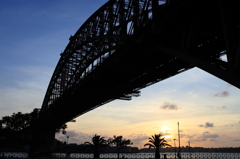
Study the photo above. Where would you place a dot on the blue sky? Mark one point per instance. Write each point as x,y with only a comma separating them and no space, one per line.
34,33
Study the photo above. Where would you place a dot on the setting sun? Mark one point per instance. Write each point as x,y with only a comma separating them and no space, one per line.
167,136
165,128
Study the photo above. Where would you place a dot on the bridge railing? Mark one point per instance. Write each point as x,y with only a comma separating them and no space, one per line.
169,155
14,154
152,155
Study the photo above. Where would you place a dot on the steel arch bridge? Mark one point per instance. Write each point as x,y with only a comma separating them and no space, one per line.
127,45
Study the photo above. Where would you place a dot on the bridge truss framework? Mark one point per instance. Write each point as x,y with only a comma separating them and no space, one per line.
127,45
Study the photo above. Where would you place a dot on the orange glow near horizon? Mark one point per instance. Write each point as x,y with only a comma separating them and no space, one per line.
165,128
167,136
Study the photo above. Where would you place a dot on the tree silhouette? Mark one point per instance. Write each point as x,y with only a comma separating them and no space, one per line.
97,143
20,129
16,122
157,141
120,142
13,130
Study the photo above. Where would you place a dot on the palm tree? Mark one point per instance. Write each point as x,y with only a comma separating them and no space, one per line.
157,142
97,143
119,142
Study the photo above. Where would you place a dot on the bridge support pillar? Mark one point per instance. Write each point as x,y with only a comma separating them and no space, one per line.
42,141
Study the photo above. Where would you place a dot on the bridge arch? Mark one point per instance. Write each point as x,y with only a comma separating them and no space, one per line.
127,45
94,42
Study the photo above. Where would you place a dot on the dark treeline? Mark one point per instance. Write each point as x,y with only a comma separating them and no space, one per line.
20,132
82,148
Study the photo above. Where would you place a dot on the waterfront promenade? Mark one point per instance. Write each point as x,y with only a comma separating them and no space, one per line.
169,155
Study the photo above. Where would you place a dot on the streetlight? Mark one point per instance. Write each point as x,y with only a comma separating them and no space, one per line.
67,139
179,148
175,148
189,149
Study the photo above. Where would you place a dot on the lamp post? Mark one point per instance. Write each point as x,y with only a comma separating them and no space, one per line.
175,148
67,139
189,149
179,147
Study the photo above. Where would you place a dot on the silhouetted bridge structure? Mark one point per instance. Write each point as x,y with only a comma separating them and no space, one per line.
127,45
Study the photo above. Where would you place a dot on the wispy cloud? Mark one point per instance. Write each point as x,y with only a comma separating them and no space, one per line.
214,140
233,124
138,139
218,107
237,140
210,106
221,94
169,106
207,125
166,133
206,136
187,136
74,137
26,90
209,135
222,107
229,125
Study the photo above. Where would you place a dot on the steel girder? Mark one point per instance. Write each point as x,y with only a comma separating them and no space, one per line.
94,42
202,38
120,49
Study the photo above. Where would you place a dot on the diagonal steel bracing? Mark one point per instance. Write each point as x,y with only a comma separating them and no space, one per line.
127,45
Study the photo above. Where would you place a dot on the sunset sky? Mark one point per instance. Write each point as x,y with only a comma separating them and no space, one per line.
34,33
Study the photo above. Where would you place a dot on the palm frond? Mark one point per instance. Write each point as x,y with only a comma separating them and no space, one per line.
157,141
149,145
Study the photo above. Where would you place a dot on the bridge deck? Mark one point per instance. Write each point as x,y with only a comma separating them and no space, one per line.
180,37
